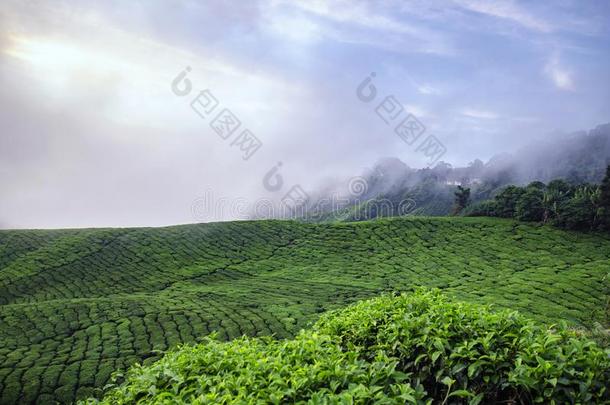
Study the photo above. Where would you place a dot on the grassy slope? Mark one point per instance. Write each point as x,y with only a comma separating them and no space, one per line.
76,305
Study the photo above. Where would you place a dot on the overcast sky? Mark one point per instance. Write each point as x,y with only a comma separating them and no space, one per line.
92,133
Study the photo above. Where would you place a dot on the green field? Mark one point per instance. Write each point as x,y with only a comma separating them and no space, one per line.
76,305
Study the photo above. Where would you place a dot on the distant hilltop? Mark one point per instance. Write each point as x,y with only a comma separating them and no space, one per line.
579,157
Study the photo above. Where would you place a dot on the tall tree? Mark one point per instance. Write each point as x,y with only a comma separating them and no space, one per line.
604,201
580,210
506,201
556,195
462,199
529,205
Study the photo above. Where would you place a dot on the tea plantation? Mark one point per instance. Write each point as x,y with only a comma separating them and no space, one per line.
76,305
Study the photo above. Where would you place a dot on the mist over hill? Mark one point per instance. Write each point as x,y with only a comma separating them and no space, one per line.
579,157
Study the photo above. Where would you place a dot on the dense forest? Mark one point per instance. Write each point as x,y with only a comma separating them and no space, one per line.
579,207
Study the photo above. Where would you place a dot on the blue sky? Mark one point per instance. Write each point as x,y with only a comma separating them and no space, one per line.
88,113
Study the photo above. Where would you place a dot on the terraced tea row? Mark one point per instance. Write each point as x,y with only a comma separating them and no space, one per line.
77,305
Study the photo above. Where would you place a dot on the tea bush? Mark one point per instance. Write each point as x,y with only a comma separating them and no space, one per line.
416,348
466,348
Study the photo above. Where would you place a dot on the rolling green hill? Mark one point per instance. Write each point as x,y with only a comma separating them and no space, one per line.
76,305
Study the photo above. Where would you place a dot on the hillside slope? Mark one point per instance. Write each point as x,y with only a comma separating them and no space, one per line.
75,305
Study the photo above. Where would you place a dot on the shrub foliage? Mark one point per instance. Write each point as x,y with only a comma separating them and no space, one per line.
416,348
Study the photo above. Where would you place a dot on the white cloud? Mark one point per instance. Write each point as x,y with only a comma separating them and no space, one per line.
428,89
353,12
353,21
478,114
295,28
508,10
126,77
559,75
418,111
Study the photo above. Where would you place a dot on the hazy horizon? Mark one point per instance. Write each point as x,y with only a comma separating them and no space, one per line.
97,131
